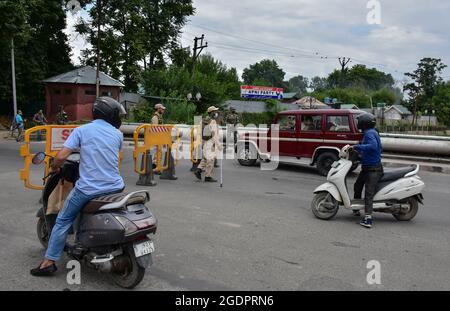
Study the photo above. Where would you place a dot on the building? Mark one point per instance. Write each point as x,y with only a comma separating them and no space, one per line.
75,91
396,113
309,102
291,97
349,106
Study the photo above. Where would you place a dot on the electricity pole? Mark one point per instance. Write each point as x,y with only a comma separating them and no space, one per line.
13,68
97,81
198,47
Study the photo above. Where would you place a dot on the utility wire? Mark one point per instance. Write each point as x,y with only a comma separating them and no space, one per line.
361,61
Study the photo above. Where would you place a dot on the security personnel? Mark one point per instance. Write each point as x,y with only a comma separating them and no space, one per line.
211,144
232,121
61,117
157,118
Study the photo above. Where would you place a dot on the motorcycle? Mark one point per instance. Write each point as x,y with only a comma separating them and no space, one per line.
398,192
111,231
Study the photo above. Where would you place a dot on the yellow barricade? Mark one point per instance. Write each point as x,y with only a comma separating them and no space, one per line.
55,136
196,142
158,136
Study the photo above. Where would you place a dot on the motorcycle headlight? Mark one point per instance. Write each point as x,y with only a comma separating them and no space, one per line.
129,227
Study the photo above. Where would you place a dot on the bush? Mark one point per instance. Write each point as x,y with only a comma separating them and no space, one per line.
178,111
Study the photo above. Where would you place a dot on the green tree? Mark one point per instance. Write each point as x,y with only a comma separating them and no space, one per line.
41,49
264,73
211,78
426,79
135,35
361,77
298,84
441,101
318,84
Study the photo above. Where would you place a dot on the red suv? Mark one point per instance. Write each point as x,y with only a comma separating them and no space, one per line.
312,137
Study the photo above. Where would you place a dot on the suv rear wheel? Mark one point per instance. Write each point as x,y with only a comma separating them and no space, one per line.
324,162
247,155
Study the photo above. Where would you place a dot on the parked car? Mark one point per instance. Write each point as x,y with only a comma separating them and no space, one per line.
311,137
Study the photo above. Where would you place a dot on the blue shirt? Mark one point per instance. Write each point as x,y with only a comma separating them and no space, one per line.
370,148
99,143
19,121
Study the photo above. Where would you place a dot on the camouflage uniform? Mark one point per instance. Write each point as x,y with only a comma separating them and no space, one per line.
157,118
211,145
232,121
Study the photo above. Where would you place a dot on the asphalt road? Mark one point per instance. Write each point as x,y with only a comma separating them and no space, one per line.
255,233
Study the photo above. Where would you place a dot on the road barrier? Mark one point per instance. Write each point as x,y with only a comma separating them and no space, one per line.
195,146
55,136
399,143
157,140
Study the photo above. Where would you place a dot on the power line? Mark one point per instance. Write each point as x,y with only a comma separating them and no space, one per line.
255,41
364,62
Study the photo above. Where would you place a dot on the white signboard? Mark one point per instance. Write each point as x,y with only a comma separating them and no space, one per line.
59,136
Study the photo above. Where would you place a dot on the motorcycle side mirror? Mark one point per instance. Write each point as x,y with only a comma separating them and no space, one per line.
38,158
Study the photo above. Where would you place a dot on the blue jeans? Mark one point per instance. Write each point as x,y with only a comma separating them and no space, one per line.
75,201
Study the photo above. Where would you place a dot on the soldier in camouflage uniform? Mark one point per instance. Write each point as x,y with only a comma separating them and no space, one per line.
211,145
157,118
232,121
61,117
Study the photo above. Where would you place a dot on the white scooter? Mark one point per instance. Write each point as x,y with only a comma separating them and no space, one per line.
399,191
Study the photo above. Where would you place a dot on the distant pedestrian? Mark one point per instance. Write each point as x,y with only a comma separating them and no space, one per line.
39,118
19,125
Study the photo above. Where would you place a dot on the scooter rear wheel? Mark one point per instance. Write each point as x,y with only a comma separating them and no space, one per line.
411,213
132,274
324,206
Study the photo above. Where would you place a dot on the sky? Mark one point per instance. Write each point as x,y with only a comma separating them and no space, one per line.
308,36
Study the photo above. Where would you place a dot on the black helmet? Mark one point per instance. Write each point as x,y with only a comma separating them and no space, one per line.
366,121
108,109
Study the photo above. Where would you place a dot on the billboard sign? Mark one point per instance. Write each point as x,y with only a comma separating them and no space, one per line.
261,92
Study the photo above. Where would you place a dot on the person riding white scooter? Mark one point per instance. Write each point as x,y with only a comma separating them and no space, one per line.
370,150
396,191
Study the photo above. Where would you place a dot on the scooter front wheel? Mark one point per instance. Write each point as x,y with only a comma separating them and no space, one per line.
42,232
324,206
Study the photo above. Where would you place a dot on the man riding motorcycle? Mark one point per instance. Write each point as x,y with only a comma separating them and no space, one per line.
99,143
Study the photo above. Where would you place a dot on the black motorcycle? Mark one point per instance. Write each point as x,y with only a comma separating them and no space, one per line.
111,232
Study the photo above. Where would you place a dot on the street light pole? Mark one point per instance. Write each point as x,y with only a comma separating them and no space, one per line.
13,68
97,80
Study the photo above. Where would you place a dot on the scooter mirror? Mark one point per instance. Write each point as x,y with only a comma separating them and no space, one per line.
38,158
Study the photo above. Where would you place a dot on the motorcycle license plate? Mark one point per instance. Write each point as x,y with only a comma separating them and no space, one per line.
142,249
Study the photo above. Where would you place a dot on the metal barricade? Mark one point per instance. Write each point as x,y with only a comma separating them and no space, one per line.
55,136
